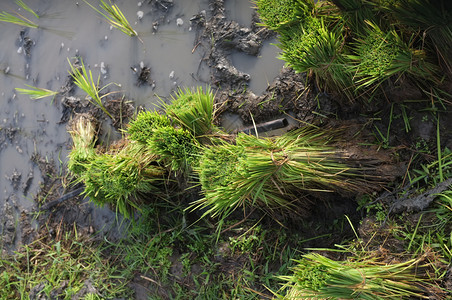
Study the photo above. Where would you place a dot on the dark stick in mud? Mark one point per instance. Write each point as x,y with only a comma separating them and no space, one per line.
63,198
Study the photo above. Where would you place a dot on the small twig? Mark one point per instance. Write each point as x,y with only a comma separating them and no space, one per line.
196,46
150,280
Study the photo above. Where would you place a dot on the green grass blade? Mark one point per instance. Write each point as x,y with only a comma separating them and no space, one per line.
19,20
36,92
27,8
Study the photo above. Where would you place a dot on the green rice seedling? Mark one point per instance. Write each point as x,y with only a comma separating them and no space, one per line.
17,19
381,55
432,18
122,176
192,110
84,80
36,92
282,13
175,147
312,47
141,128
270,173
83,135
27,8
354,13
318,277
115,17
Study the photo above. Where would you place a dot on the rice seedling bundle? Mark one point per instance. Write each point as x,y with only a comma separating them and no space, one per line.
318,277
271,173
312,47
83,135
192,110
354,13
381,55
433,19
175,147
142,127
120,177
277,14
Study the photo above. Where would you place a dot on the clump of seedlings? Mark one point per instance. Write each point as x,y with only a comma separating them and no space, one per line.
192,110
313,47
318,277
123,176
277,14
83,133
270,173
153,147
175,147
140,129
382,55
119,176
432,19
360,49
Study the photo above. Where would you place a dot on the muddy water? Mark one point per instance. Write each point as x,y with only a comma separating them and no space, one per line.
240,11
264,67
68,28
